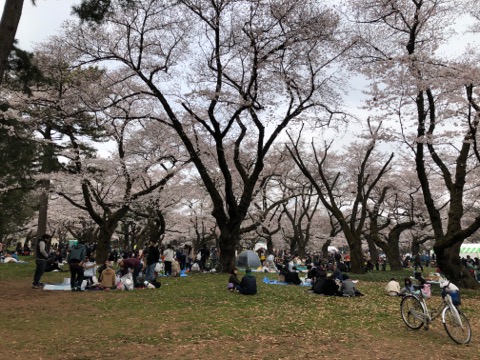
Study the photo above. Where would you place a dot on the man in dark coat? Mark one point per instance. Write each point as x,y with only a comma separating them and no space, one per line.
248,285
153,257
41,256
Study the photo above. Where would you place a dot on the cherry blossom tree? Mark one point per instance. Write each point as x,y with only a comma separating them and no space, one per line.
391,215
354,177
223,72
299,212
110,188
433,99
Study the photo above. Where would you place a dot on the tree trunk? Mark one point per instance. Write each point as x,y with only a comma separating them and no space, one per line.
301,245
103,244
325,248
372,248
269,245
448,260
43,208
392,252
356,256
293,245
12,12
227,251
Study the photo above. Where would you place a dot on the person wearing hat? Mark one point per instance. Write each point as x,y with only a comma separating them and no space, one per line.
41,257
248,284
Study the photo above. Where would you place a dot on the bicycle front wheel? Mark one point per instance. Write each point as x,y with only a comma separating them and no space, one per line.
412,311
457,328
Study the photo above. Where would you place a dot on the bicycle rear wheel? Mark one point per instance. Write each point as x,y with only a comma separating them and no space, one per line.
411,308
218,268
461,333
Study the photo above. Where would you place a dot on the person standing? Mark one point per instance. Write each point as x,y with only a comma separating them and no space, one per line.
169,258
41,256
189,256
205,254
153,257
417,262
75,260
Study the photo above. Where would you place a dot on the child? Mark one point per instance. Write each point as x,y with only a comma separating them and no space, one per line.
408,287
108,279
90,271
233,281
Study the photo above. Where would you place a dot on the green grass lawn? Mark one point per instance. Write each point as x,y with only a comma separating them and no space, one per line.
195,317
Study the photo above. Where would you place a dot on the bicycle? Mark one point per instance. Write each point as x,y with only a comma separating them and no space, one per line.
214,264
415,314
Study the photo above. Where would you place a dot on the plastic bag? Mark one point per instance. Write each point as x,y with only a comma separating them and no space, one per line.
127,281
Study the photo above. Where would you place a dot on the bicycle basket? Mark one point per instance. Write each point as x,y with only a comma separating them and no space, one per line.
455,295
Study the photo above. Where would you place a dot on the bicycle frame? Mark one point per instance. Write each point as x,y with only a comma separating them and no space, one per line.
415,314
449,304
427,316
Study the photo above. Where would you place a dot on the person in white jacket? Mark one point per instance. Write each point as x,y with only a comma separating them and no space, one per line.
393,288
169,257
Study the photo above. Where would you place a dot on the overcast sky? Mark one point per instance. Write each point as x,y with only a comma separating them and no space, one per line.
41,21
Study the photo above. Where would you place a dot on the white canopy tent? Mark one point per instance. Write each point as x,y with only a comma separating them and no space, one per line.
470,249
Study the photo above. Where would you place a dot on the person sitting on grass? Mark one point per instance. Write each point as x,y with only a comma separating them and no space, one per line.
348,287
292,278
9,258
408,288
393,288
107,278
337,273
233,281
319,283
325,286
248,285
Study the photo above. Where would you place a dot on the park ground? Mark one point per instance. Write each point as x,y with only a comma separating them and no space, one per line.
195,317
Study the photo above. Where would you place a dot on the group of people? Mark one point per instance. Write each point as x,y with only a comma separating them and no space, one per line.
393,287
335,284
472,266
246,286
83,267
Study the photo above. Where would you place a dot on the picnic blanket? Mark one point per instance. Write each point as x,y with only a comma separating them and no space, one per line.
65,286
182,274
276,282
